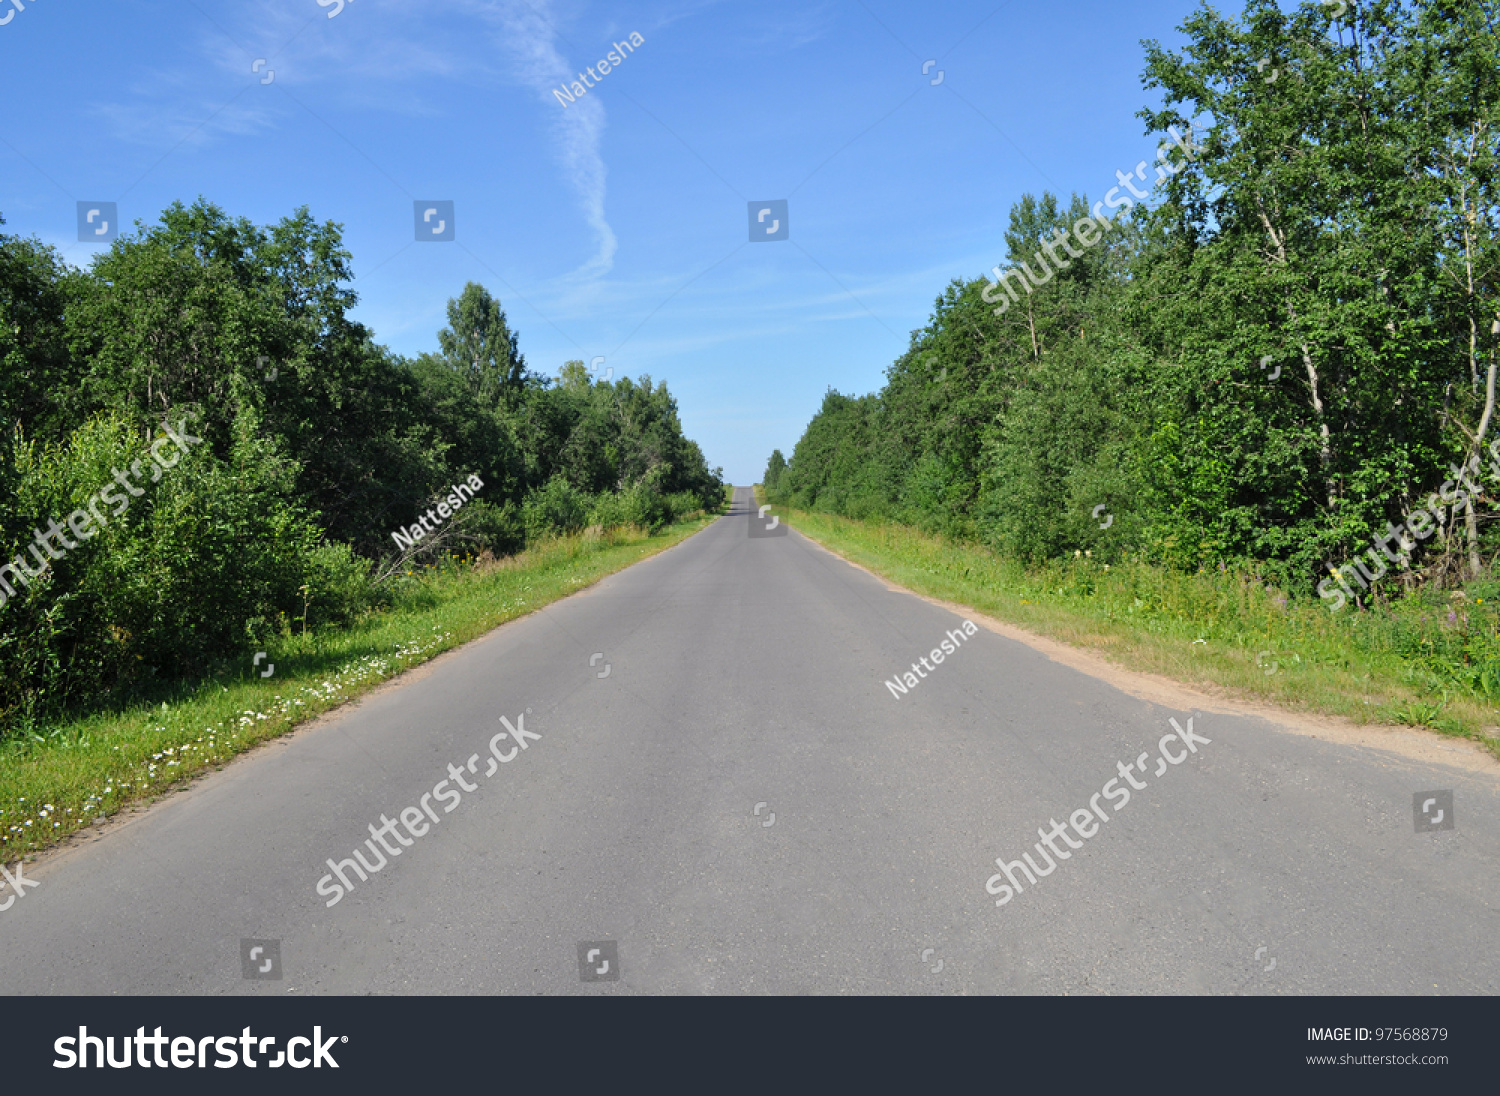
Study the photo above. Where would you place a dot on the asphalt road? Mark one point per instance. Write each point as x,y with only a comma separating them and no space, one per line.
742,806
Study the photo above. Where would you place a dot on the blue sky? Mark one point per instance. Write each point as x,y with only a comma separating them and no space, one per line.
617,226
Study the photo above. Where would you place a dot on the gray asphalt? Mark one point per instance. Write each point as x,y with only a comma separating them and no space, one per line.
748,668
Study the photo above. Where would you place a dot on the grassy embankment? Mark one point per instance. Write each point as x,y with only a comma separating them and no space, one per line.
1433,661
55,784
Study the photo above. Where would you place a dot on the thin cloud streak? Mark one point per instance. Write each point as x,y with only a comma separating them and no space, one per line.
530,37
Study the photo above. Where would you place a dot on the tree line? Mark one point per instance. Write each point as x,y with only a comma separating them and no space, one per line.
316,444
1289,345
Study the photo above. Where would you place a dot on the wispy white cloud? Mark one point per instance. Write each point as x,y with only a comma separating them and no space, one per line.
357,58
729,305
800,29
214,90
530,37
163,125
674,11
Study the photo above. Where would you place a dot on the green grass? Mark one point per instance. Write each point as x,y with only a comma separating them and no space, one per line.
55,783
1431,661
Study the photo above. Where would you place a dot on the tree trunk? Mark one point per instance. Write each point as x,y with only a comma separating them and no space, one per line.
1325,438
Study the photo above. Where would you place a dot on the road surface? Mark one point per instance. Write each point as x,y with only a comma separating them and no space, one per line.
729,799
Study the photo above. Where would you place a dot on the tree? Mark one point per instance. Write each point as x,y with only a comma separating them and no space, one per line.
1448,71
479,345
774,468
1325,206
39,378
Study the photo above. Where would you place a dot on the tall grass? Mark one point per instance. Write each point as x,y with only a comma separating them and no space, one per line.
1428,659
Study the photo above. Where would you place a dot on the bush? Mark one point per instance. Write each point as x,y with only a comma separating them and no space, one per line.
681,503
643,505
484,526
555,509
610,511
189,570
339,584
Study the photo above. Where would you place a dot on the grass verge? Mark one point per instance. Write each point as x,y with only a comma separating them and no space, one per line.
1432,661
84,771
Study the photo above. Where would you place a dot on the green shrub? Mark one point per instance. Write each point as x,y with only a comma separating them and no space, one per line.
485,525
339,584
681,503
555,509
189,571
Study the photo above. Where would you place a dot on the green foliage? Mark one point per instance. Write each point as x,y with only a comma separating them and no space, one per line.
643,506
179,576
774,468
638,506
479,346
1334,228
557,508
38,378
317,444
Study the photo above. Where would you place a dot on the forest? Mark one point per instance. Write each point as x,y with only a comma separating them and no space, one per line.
301,446
1288,346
